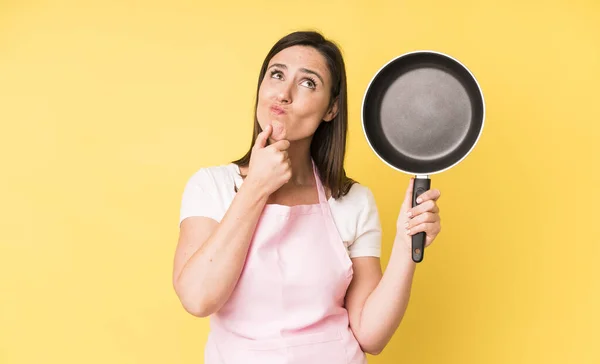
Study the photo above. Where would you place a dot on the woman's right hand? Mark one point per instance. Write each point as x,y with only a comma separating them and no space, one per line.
270,166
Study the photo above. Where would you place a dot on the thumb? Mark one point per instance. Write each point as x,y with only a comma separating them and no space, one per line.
261,139
407,204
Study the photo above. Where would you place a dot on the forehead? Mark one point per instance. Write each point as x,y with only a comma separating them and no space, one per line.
297,57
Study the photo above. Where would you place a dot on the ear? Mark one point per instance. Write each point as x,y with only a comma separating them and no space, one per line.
332,112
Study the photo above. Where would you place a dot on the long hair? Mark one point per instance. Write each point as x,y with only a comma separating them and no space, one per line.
328,146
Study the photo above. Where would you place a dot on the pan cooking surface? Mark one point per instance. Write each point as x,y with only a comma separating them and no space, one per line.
425,113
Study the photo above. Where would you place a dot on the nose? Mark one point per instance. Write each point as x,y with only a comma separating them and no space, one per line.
284,93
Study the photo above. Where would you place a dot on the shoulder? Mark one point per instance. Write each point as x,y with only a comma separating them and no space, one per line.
216,173
356,211
358,221
358,197
216,179
208,191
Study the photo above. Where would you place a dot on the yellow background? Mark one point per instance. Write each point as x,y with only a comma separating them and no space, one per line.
108,107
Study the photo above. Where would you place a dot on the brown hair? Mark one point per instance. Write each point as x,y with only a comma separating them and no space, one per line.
328,146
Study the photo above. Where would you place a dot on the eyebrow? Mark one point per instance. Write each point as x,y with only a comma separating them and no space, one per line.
305,70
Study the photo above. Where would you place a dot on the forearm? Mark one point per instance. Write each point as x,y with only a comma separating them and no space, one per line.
384,308
211,273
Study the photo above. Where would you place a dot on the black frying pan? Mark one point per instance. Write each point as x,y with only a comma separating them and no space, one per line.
422,114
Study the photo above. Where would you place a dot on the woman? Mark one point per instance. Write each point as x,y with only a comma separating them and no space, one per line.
280,248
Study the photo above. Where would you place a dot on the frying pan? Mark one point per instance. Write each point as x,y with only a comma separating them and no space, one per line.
422,113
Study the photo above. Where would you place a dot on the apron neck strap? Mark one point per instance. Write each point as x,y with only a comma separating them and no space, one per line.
320,188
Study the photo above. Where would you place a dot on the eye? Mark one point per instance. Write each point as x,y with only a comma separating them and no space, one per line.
276,74
310,83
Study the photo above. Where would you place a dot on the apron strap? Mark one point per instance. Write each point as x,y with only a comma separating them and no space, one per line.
320,188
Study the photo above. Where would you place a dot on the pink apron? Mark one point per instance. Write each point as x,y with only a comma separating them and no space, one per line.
288,305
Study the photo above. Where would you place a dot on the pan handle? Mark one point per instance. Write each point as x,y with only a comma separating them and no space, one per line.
421,184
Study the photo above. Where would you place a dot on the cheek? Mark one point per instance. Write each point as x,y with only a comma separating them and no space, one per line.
268,86
312,105
263,97
264,103
262,92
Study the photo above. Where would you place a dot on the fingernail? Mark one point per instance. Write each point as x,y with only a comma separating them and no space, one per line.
406,225
407,231
409,213
419,200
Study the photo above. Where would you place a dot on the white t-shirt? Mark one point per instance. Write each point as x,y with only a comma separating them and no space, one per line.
210,191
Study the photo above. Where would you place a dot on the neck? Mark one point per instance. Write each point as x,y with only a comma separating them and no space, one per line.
302,170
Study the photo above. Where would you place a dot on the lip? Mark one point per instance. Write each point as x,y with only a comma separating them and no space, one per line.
277,110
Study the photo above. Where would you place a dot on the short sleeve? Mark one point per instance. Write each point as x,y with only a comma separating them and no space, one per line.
200,197
368,230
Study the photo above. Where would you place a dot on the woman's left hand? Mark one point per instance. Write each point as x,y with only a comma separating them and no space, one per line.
424,217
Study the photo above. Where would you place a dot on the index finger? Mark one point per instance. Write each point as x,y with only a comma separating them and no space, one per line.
280,145
429,195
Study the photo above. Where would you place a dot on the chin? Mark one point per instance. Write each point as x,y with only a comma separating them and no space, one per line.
279,128
279,131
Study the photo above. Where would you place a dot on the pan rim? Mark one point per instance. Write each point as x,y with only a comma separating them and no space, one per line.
384,66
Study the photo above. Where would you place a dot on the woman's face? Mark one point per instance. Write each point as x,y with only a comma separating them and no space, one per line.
295,93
